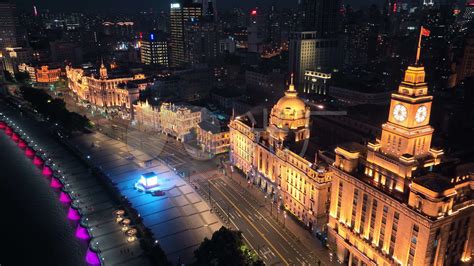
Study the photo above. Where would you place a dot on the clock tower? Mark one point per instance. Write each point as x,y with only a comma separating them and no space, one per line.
407,131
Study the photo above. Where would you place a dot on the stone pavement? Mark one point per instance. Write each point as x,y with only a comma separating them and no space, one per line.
179,220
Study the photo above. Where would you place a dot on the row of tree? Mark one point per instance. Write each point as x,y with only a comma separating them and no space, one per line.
54,109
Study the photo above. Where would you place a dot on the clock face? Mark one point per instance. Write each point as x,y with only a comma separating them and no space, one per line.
421,114
400,112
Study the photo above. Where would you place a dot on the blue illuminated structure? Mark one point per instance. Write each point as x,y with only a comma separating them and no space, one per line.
150,182
147,182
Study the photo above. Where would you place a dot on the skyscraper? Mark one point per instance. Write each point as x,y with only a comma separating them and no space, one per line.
256,31
181,15
11,34
154,49
307,52
320,16
397,201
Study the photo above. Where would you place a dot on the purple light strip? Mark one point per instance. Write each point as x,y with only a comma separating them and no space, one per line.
64,197
82,233
92,258
73,214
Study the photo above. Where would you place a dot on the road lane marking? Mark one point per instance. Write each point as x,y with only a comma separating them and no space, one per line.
257,211
256,229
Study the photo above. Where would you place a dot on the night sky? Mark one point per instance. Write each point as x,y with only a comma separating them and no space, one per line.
84,5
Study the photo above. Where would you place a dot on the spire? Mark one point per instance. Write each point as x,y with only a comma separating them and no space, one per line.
292,85
103,70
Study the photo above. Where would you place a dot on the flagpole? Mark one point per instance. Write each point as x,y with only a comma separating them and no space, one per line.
418,52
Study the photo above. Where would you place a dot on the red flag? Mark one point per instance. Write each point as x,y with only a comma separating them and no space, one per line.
425,32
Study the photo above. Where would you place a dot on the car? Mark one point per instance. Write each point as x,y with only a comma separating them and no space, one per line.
158,193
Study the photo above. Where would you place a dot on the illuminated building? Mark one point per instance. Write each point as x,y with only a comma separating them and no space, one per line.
15,56
302,53
178,120
46,75
103,91
213,136
11,34
272,159
154,50
316,82
147,116
26,68
395,201
309,53
181,14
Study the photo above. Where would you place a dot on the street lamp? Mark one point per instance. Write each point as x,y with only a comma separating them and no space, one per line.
271,208
284,215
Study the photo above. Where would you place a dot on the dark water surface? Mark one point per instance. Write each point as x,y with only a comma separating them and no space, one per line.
34,226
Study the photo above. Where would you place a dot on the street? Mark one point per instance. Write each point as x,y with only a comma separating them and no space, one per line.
277,239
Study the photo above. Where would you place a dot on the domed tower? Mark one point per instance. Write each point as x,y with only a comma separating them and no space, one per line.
289,115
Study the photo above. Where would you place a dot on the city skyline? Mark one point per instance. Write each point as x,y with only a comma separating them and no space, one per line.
204,135
123,5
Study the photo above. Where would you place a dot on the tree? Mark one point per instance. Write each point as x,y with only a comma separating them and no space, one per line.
22,77
8,75
226,247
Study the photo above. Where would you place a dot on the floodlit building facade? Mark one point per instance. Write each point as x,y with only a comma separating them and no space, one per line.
271,158
103,91
147,116
213,137
46,75
397,201
178,120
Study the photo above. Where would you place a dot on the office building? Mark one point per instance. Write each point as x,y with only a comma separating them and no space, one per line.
182,15
307,52
154,49
321,16
11,34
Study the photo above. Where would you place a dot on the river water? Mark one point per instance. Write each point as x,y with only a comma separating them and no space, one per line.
34,226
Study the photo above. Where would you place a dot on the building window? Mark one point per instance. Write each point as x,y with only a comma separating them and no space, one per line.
339,200
414,239
373,216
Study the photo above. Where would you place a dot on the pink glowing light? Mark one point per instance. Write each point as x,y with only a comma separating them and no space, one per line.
15,137
29,152
64,197
22,144
9,132
47,171
37,161
3,125
92,258
82,233
55,183
73,214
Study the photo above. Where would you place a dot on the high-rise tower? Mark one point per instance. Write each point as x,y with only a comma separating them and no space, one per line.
182,14
321,16
11,34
